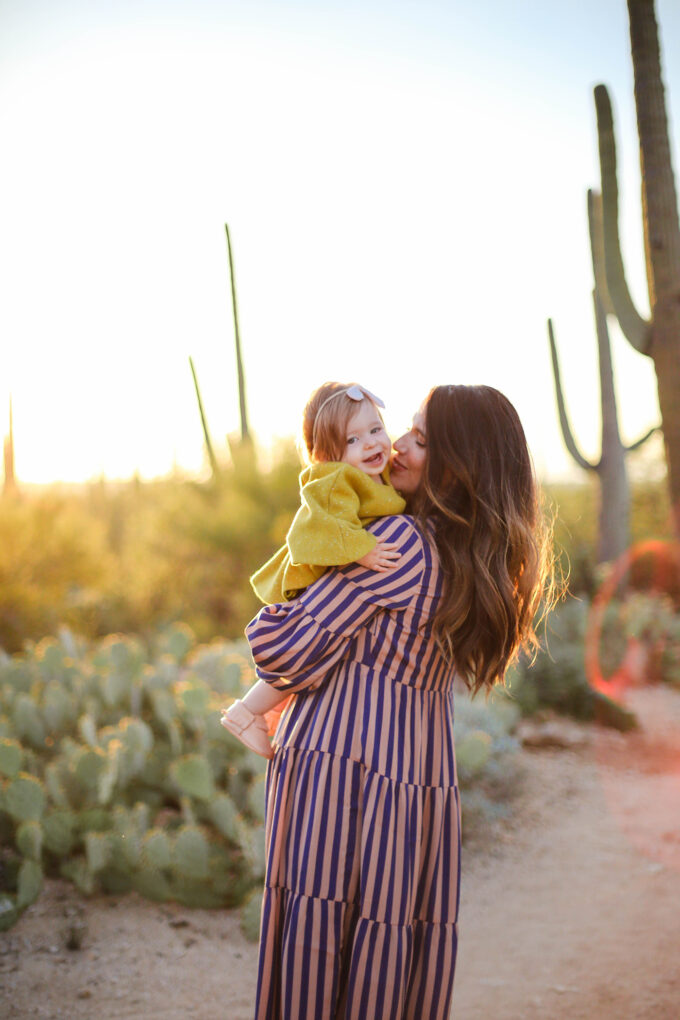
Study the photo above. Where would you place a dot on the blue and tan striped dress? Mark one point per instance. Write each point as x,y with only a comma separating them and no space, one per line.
359,919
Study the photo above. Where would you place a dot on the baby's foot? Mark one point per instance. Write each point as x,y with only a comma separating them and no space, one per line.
250,729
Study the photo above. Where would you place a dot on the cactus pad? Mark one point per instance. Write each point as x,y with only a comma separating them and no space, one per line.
250,917
190,853
177,641
25,798
98,850
58,832
194,697
29,840
28,722
88,766
156,850
88,729
11,756
29,884
193,776
223,814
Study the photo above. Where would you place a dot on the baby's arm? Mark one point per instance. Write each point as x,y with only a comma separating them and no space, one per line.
383,556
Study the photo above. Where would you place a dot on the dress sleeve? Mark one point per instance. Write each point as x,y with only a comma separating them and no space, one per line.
295,645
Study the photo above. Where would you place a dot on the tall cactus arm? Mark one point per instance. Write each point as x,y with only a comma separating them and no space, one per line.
214,466
567,434
636,329
643,439
596,228
659,195
245,433
8,455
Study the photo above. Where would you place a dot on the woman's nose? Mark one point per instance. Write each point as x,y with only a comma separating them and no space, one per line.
399,445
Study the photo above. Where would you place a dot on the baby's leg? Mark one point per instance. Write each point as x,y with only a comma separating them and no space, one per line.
262,697
245,718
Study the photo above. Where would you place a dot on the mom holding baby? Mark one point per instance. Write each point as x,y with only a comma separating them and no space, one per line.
361,896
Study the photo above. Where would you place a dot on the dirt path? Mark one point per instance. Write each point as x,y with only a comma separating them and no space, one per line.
573,912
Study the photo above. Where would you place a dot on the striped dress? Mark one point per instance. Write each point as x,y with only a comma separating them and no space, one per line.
359,918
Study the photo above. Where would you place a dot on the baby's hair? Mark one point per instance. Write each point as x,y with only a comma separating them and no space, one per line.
325,421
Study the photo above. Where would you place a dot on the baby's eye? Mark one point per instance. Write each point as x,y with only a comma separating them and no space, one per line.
352,439
376,428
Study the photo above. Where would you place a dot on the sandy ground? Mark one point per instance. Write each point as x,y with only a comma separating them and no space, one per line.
571,909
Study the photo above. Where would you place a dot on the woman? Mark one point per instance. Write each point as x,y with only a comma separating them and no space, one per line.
360,909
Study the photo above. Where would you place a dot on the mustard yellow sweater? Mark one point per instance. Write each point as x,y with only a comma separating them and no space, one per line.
337,500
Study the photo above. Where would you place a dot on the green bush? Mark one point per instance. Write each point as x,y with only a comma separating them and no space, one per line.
557,678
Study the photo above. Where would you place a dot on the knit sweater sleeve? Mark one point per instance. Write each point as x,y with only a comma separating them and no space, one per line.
327,530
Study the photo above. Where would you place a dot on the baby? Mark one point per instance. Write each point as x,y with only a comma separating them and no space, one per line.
344,488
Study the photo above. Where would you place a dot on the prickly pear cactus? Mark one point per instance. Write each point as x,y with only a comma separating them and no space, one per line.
250,917
116,773
24,798
29,884
29,840
193,776
190,853
11,756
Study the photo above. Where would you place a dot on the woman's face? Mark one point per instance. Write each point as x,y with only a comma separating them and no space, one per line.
408,459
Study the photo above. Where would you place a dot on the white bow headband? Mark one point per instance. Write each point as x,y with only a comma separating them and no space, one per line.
354,392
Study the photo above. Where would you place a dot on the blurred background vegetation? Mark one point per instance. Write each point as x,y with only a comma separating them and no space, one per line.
137,556
114,770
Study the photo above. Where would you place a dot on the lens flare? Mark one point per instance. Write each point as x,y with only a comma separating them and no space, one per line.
650,756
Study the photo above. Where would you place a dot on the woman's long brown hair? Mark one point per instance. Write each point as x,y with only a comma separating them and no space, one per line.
479,490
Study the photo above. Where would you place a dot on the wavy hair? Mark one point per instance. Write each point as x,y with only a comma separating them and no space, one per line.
479,491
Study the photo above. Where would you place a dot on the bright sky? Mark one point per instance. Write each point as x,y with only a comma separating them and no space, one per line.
405,184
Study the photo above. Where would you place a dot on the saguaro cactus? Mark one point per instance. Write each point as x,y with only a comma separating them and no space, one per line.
659,336
245,434
214,466
9,484
614,520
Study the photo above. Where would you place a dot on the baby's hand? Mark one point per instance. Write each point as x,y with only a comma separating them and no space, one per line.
382,557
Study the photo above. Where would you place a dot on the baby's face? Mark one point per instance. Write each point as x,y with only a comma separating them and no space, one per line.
368,445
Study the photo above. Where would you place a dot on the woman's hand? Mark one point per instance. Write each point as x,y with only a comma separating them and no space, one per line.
382,557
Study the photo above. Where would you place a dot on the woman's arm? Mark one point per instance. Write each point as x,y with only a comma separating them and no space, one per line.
294,645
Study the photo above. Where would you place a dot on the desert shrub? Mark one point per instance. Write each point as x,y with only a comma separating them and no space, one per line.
557,678
51,552
487,760
137,556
